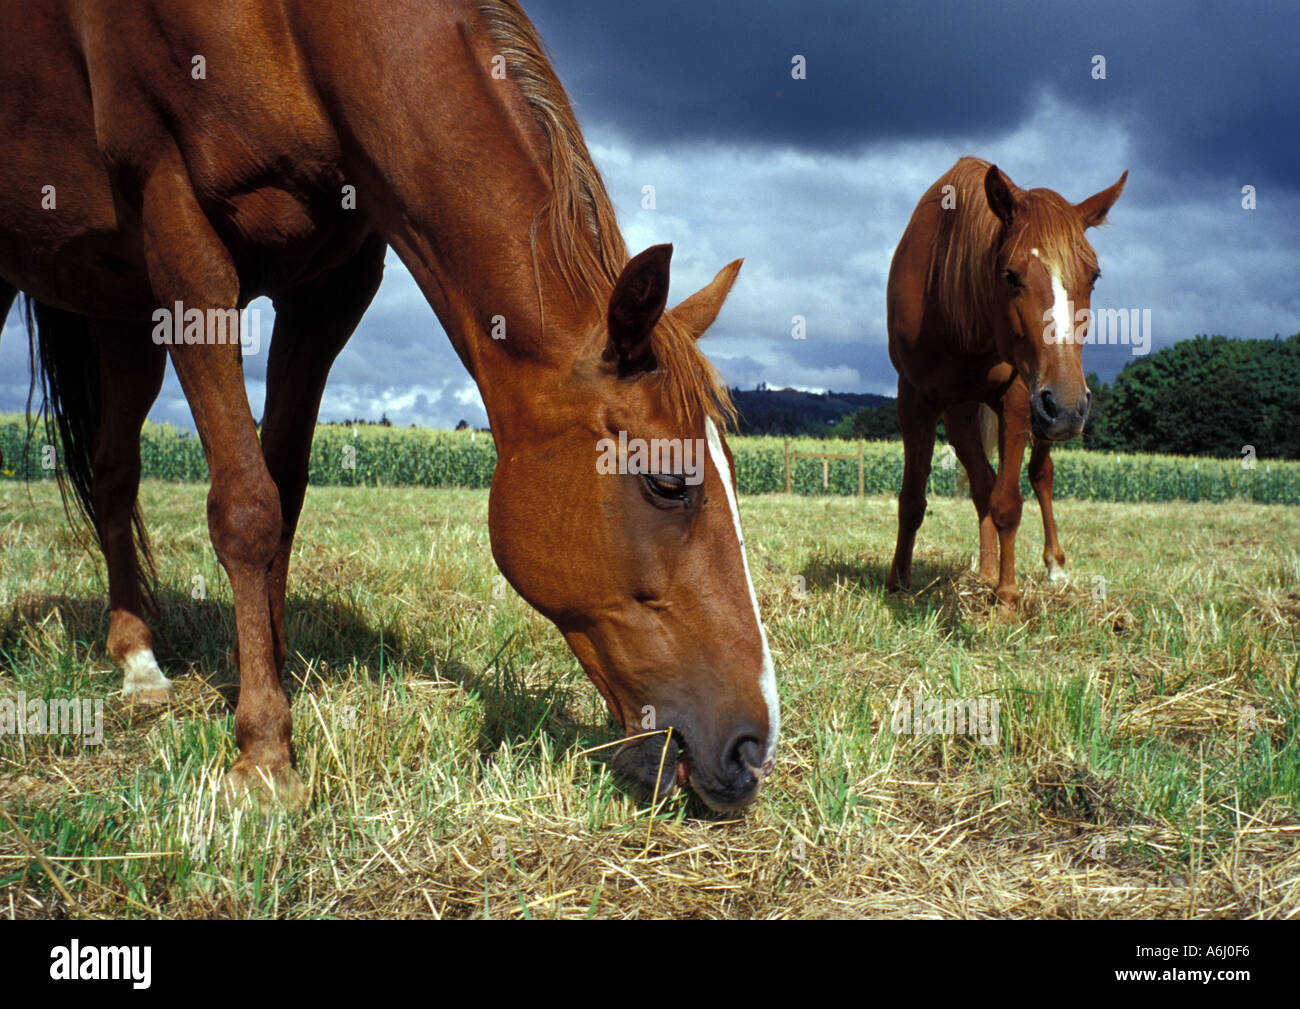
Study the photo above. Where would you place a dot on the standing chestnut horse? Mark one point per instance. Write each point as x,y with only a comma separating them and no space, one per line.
158,153
985,277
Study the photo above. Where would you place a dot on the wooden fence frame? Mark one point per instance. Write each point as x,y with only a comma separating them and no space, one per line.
826,458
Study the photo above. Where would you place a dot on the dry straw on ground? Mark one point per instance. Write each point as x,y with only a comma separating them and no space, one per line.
1145,764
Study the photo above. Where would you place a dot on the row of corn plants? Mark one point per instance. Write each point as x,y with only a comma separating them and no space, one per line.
379,456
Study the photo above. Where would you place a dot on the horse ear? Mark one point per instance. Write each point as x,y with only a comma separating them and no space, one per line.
698,311
998,193
1095,208
637,301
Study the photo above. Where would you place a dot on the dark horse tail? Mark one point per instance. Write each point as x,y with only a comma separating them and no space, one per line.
65,365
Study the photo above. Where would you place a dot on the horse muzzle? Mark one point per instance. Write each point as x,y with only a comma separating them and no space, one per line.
1055,419
725,777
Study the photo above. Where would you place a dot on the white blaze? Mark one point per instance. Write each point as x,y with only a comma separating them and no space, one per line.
1062,317
767,677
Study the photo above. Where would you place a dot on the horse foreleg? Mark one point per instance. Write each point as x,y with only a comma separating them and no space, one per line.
189,264
918,420
244,525
962,422
131,370
1005,502
311,327
1040,477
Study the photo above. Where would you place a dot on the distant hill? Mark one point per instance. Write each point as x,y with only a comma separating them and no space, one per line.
794,412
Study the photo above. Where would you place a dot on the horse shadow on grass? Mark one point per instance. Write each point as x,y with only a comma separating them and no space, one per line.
192,637
330,639
942,585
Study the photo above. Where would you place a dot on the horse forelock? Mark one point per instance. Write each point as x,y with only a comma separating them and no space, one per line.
963,257
586,244
1052,226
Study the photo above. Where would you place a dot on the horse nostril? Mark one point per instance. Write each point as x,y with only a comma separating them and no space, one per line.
744,754
1047,404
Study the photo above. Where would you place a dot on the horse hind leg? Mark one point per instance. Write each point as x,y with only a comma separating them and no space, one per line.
99,379
918,421
7,295
131,370
1005,502
1040,478
966,427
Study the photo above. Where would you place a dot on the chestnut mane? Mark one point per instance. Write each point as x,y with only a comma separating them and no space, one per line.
586,244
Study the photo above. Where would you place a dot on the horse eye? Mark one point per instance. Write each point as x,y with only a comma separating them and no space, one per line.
1013,278
668,486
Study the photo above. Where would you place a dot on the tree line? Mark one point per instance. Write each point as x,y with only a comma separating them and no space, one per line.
1207,396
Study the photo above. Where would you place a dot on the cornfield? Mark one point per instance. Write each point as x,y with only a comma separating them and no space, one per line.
379,456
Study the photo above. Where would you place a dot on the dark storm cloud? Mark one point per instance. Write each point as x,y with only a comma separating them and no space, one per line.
813,181
1212,88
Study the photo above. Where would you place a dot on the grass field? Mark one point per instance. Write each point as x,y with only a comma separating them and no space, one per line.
1145,759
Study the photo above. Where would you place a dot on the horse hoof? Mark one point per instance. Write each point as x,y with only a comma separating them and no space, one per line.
263,787
149,695
1056,574
143,681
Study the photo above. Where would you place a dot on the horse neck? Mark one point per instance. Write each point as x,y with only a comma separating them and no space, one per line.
456,170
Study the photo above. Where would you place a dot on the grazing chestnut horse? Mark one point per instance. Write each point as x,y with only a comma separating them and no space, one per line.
985,277
204,154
